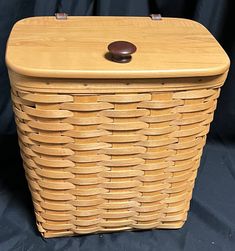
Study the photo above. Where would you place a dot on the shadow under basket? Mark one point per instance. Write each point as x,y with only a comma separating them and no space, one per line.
111,146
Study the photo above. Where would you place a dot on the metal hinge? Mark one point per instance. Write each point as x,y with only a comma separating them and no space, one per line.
61,16
156,16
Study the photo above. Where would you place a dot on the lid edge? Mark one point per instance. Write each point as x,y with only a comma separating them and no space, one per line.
213,71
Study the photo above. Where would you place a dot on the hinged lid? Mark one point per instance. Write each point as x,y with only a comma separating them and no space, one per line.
76,47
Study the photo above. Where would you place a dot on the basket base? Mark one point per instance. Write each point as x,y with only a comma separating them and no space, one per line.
173,226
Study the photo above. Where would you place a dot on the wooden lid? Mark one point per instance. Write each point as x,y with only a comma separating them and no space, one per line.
76,48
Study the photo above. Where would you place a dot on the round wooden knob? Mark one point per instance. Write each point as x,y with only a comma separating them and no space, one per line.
120,51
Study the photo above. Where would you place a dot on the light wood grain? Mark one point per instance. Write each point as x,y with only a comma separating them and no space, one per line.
75,48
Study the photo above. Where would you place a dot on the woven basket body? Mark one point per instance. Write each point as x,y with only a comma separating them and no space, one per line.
113,159
108,146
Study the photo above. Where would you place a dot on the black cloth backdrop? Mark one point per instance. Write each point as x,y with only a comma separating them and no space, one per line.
211,221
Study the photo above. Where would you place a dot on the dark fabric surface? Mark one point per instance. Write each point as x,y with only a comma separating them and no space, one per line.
211,221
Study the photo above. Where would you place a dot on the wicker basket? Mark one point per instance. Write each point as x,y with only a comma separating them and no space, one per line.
105,153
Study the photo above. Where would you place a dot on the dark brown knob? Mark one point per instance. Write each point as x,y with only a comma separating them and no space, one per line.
120,51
